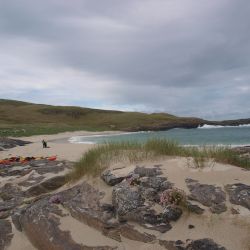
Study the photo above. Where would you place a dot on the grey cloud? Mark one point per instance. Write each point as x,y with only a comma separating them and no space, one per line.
183,57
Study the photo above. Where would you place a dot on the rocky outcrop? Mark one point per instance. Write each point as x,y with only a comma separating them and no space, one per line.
12,195
40,222
36,211
6,143
239,194
207,195
39,168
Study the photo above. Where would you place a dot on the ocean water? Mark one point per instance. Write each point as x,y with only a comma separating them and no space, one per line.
207,135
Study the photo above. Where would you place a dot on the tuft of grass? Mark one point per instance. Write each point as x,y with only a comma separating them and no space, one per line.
99,158
102,156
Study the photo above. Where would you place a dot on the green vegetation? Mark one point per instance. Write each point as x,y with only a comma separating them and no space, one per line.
26,119
102,156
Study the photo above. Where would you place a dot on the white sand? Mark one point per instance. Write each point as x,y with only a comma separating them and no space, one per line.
57,143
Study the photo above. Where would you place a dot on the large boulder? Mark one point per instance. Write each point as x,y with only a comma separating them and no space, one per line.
207,195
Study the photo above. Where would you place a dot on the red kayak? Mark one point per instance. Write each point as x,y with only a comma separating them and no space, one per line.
52,158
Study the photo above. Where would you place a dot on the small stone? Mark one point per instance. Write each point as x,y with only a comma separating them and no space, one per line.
218,208
234,211
56,199
179,242
191,226
172,213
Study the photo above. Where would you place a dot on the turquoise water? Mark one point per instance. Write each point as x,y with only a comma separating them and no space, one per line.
200,136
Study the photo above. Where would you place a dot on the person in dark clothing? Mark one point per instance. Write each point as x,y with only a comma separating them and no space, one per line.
44,144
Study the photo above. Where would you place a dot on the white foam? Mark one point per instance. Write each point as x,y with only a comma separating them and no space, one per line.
82,138
207,126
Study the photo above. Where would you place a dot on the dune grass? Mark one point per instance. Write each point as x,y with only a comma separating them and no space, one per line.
101,157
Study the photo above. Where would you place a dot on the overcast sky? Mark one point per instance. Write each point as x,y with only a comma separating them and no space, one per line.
185,57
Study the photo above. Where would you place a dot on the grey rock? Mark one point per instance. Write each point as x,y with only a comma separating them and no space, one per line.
201,244
110,178
158,183
218,208
149,172
129,204
40,223
172,213
239,194
5,234
6,143
126,198
4,214
150,194
162,228
204,244
16,218
46,186
208,195
194,208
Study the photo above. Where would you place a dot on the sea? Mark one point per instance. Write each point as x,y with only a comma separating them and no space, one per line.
202,136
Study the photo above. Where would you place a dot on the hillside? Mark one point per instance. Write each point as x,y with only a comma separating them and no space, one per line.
22,118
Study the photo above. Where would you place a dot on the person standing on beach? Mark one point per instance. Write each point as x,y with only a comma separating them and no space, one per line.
44,144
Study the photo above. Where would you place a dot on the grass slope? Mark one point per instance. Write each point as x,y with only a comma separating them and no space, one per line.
24,119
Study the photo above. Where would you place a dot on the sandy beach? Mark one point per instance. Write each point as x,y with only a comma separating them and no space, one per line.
57,145
230,230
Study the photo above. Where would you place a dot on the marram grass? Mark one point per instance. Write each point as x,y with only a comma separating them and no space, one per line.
102,156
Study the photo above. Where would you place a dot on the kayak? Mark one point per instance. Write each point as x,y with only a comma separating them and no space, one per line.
10,160
52,158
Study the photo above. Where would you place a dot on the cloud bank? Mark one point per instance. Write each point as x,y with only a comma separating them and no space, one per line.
186,57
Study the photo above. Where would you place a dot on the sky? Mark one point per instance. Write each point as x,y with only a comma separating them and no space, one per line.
184,57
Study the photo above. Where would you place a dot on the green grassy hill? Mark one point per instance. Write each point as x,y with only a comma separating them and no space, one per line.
22,119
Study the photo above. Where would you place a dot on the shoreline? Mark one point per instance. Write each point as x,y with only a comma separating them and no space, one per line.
57,146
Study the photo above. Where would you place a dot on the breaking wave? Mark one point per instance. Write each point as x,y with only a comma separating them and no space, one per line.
207,126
